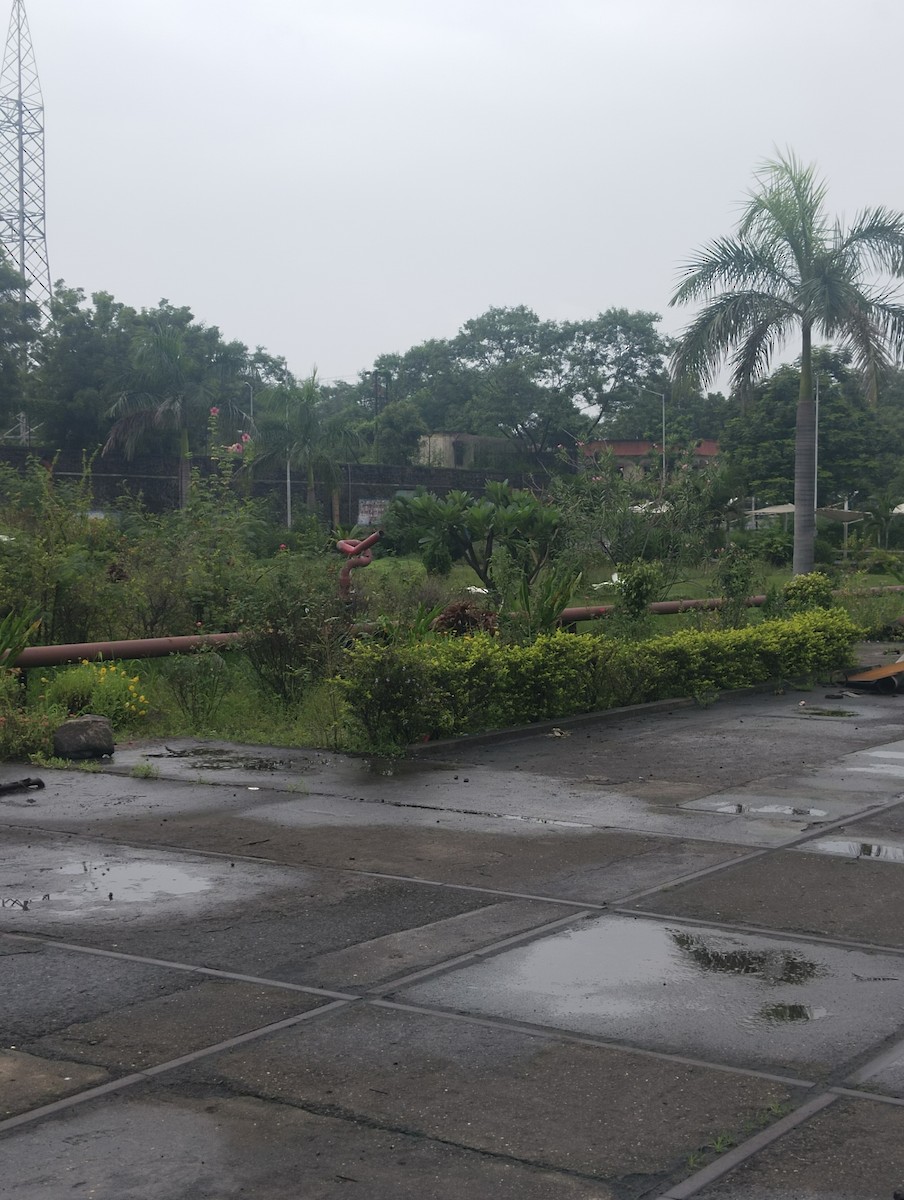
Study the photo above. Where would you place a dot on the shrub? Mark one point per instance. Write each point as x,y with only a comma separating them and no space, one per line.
24,731
106,689
292,622
734,576
401,694
805,592
198,682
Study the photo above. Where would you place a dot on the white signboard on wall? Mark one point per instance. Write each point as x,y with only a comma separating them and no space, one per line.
372,512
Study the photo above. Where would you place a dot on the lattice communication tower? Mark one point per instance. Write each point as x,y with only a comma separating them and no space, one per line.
23,237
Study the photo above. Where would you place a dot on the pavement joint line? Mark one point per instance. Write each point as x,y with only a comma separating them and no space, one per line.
127,1081
886,1058
491,948
554,1034
738,927
739,1154
190,968
813,835
857,1094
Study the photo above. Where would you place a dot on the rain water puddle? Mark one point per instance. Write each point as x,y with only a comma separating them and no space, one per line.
746,999
772,965
226,760
850,849
96,881
727,808
827,712
781,1013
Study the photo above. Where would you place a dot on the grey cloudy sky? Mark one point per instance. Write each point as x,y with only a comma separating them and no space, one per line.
334,179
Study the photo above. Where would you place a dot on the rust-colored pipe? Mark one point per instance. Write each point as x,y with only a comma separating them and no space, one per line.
52,656
663,607
361,555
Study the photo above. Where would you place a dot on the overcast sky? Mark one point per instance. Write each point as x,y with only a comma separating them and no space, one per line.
335,179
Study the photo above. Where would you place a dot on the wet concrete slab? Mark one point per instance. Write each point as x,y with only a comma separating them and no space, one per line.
582,864
853,1150
491,800
857,899
205,1145
44,989
751,1001
287,924
27,1081
885,1074
153,1031
625,1119
729,743
397,1099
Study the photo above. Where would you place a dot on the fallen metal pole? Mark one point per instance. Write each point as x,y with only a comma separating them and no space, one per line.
663,607
52,656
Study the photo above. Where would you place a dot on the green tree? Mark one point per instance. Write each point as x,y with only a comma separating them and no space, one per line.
19,331
458,526
759,440
789,267
81,361
178,371
295,429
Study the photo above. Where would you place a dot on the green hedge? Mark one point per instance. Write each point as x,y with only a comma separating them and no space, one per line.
401,694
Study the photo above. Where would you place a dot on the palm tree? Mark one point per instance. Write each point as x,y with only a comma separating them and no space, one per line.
789,267
164,390
293,428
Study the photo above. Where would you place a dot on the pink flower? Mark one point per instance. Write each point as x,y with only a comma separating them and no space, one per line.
246,437
214,412
283,546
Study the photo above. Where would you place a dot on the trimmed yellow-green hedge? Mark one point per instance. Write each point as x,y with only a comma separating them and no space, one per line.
401,694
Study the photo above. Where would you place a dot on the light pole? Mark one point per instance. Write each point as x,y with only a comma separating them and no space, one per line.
661,396
250,387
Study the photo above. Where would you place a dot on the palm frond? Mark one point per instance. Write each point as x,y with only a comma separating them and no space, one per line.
720,325
735,263
129,430
876,240
787,208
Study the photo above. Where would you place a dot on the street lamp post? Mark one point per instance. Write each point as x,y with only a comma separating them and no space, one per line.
248,384
661,396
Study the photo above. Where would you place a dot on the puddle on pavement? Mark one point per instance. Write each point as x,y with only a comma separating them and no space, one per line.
227,760
772,965
783,1013
93,881
746,999
827,712
767,810
401,768
884,852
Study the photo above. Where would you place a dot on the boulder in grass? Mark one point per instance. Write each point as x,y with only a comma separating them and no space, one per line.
88,736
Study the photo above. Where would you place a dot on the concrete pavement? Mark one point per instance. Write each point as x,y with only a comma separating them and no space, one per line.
650,957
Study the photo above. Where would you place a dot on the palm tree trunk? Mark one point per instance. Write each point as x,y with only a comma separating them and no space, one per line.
805,463
184,469
311,498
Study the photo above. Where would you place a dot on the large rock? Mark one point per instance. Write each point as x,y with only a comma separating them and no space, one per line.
88,736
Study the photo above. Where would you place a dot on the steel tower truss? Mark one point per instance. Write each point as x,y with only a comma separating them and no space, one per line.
23,237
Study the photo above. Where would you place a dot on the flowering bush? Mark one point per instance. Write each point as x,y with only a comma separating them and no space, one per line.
106,689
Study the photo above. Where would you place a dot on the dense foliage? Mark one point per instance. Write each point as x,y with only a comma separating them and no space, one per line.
401,694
